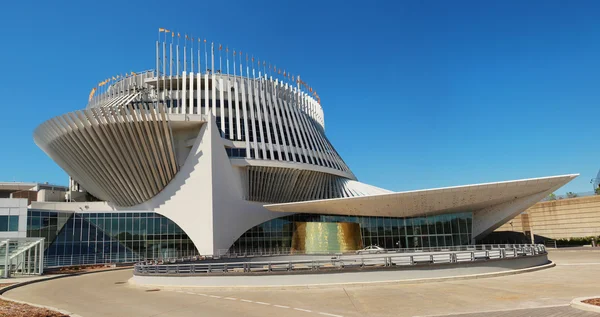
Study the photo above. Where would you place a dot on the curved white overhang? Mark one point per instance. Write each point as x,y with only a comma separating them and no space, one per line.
122,153
429,201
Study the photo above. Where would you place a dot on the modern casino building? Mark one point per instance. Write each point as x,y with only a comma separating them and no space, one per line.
215,151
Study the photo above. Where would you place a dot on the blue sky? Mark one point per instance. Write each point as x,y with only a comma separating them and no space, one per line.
417,94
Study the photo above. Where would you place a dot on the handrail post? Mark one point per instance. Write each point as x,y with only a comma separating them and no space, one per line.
412,260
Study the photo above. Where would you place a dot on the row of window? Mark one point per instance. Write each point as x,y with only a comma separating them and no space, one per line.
285,97
116,236
274,130
388,232
234,152
316,160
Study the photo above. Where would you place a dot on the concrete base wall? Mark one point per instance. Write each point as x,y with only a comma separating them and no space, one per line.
399,274
559,219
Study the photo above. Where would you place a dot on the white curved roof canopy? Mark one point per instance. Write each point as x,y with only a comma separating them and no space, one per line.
491,203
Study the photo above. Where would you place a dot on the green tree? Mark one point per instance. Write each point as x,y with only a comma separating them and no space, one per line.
597,190
552,196
571,195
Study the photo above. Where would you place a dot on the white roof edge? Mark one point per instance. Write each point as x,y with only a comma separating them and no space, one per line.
32,184
430,189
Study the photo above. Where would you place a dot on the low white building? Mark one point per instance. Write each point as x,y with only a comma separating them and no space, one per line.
13,218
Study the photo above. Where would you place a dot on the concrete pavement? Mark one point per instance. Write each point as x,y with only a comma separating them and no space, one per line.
550,311
108,294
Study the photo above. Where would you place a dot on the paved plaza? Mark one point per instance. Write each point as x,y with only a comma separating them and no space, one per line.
541,293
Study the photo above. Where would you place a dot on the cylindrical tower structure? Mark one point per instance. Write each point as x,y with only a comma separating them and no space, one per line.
135,133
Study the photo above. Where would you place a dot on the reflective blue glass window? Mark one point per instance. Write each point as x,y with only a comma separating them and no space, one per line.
9,223
419,232
3,223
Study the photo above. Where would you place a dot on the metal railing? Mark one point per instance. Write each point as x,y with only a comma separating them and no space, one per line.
338,262
54,261
288,251
21,256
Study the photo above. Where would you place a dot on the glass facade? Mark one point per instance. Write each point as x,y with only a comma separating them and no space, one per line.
108,237
421,232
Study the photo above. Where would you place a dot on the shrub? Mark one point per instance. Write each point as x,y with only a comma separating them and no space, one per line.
577,241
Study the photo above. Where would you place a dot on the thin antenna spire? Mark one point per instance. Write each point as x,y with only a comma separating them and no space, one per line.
185,53
205,55
212,58
199,60
220,61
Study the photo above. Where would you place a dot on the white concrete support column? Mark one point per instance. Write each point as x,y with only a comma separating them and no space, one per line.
261,89
326,155
334,157
213,101
237,113
287,120
178,88
190,108
36,259
206,99
198,93
6,261
252,118
307,127
255,106
41,267
171,79
28,261
222,105
291,108
300,115
282,148
245,112
183,108
229,107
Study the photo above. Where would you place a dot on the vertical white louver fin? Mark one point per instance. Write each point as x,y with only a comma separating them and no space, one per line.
280,185
122,153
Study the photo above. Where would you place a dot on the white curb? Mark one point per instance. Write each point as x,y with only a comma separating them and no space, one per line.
579,304
134,283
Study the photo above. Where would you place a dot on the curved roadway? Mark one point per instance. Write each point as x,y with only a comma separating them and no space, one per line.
108,294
